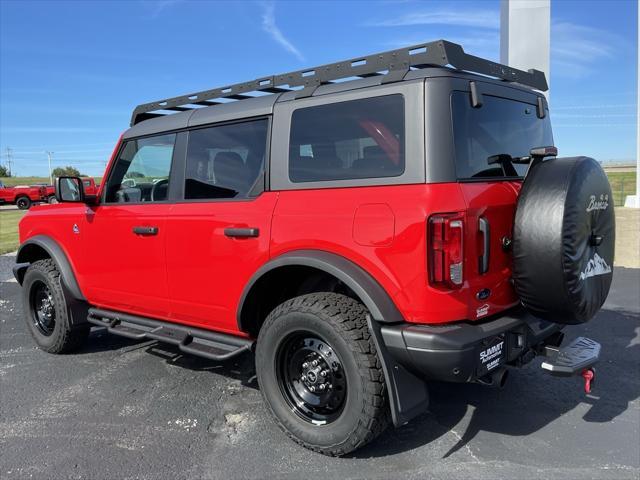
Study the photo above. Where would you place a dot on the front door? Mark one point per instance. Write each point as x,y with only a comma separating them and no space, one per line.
125,258
218,233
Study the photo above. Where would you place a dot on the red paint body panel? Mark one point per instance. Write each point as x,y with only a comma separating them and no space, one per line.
123,270
401,265
208,270
192,273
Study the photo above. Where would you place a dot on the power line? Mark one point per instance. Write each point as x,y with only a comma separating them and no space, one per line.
9,161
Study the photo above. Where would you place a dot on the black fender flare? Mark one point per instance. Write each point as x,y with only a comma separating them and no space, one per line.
408,394
56,253
374,297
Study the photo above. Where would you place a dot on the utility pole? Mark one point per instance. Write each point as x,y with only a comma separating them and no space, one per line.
9,161
50,171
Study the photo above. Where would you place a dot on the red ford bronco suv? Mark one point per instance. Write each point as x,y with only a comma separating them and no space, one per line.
364,227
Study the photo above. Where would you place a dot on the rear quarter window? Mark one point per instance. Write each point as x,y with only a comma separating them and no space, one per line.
348,140
499,126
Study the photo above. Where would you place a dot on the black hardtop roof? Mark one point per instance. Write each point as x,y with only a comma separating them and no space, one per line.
385,67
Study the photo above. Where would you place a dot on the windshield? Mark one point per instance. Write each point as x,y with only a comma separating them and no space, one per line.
499,126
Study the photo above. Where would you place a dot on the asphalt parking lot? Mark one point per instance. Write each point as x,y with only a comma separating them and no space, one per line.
126,409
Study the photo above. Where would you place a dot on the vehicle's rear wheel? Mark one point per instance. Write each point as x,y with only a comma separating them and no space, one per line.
320,375
23,203
46,311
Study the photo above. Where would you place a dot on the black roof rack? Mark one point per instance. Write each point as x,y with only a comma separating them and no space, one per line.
390,66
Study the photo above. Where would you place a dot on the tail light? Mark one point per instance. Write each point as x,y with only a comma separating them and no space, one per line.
445,250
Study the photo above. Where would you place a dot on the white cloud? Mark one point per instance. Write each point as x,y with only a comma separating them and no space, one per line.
462,18
159,6
269,26
576,49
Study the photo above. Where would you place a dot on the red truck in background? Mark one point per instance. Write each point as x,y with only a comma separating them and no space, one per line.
89,184
22,196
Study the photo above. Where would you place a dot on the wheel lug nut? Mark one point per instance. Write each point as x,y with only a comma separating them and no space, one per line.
321,387
314,363
305,365
324,373
312,388
303,378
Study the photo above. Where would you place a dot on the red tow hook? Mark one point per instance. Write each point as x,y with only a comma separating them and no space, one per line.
589,375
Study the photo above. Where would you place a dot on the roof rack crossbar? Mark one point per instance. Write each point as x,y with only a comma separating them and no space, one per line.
389,66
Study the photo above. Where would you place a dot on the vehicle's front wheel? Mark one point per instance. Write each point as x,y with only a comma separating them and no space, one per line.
23,203
46,311
320,375
52,199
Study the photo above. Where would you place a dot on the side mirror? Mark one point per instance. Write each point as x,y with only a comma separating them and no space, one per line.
69,189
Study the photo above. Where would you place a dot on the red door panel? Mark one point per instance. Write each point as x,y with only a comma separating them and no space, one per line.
125,270
207,269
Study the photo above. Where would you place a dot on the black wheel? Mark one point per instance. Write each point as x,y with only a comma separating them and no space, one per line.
23,203
52,199
319,373
46,311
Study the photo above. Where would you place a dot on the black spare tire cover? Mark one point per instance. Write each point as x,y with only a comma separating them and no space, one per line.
564,240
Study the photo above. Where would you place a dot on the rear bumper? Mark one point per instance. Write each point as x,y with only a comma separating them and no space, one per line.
466,352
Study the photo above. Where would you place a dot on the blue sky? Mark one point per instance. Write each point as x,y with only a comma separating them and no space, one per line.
71,72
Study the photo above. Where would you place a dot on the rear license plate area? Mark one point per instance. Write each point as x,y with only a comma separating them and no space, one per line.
491,355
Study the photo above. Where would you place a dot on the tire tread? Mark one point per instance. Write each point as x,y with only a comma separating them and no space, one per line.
67,339
349,318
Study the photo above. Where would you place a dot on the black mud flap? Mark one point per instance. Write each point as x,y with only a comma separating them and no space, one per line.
408,394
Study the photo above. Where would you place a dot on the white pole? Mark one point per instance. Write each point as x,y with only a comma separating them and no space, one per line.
50,171
633,201
525,34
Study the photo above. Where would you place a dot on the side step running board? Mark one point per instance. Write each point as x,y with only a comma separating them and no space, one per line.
196,341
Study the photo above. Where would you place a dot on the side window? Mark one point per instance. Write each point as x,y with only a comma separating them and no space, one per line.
141,172
225,161
348,140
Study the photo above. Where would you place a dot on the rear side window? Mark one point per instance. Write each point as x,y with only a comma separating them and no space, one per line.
348,140
499,126
141,172
226,161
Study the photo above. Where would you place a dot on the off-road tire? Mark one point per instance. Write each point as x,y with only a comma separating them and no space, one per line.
23,202
65,337
342,322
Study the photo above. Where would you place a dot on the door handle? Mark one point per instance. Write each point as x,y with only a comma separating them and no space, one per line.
145,230
483,260
242,232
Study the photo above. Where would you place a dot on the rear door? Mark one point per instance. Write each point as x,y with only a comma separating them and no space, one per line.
125,248
501,125
218,232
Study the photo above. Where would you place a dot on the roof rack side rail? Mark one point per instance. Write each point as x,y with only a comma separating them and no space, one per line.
389,66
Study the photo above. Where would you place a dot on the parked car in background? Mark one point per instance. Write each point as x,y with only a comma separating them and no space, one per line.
89,185
21,195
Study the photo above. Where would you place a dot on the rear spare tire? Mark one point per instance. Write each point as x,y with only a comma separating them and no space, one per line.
564,240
